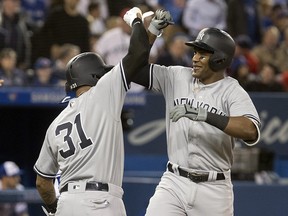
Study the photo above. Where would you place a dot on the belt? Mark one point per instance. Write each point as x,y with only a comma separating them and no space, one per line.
90,186
194,176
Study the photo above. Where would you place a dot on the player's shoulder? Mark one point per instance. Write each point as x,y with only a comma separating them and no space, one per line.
62,115
172,69
233,87
231,80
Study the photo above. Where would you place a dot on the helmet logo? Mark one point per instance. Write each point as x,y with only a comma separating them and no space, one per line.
200,36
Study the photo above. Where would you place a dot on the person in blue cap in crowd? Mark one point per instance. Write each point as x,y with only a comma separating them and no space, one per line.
10,177
43,73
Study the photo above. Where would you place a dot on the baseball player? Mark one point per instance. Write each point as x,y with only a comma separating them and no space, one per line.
205,112
85,141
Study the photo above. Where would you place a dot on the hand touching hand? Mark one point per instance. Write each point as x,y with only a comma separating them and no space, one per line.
160,21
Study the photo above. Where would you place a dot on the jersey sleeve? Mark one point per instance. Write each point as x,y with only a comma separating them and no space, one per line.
242,105
46,164
162,77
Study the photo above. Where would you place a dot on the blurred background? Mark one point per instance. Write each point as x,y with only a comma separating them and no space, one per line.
39,37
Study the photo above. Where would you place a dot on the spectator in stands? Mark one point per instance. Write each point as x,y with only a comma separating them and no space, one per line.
114,43
1,82
117,7
242,54
284,80
83,5
63,25
281,58
241,72
176,53
266,12
266,50
175,7
266,81
62,57
36,12
95,19
199,14
276,11
9,72
43,73
10,177
243,18
14,32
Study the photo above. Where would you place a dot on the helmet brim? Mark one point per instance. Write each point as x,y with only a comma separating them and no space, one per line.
200,45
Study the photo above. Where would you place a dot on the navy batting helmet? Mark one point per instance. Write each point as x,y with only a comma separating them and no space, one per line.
85,69
218,42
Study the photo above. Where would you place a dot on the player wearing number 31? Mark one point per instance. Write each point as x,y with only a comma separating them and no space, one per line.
85,141
205,112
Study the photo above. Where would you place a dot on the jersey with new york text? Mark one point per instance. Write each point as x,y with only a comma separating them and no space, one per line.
85,141
195,144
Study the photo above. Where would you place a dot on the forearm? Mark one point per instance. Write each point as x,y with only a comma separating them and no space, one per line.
152,38
238,127
138,52
46,189
242,128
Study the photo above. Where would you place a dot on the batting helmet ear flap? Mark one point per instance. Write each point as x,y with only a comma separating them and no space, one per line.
217,61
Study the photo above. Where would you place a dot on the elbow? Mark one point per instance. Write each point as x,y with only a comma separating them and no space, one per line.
142,57
251,134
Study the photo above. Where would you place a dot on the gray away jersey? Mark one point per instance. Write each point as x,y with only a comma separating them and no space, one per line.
86,139
193,144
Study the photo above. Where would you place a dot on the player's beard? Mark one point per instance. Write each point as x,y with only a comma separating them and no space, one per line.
196,72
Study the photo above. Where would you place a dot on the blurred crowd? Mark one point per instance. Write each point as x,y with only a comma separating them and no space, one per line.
39,37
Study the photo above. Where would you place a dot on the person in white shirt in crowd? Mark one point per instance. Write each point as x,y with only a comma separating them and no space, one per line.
199,14
96,21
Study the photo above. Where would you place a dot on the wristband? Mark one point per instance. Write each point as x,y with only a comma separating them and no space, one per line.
218,121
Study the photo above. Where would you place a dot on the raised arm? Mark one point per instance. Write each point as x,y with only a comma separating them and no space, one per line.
138,52
135,63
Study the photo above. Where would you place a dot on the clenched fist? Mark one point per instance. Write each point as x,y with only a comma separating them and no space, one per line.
160,21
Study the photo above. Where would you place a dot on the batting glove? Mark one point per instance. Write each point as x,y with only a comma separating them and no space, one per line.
195,114
160,21
131,14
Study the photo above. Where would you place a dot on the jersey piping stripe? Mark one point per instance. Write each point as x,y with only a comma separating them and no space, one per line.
123,77
150,76
254,118
43,174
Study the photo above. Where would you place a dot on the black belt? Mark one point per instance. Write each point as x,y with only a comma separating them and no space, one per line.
90,186
195,177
